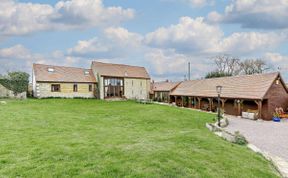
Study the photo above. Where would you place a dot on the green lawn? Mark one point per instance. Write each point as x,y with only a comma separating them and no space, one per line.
91,138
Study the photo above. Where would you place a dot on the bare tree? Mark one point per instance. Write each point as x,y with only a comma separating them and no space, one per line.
253,66
227,64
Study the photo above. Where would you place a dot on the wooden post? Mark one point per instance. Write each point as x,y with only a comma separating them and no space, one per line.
199,103
259,103
182,97
175,97
223,103
239,102
189,101
210,104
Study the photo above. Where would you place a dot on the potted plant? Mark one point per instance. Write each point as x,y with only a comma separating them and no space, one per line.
276,117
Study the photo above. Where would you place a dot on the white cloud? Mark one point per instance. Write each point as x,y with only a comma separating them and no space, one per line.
123,36
88,46
114,43
78,13
17,57
198,3
193,3
168,64
189,35
277,58
249,42
18,18
264,14
195,36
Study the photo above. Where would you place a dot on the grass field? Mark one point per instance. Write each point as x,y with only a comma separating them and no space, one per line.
91,138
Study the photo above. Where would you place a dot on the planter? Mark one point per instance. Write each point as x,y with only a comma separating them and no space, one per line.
276,119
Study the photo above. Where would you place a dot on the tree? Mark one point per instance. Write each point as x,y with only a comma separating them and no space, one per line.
15,81
226,64
217,74
253,66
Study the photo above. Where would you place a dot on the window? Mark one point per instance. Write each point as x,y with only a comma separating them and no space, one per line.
55,88
113,87
50,70
90,88
86,72
75,87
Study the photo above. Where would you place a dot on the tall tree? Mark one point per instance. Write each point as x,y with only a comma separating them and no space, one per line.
253,66
226,64
16,82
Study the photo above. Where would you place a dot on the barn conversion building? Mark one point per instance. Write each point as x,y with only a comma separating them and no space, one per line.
59,81
260,93
102,81
124,81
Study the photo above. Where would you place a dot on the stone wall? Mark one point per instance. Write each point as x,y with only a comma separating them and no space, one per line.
5,93
43,90
136,88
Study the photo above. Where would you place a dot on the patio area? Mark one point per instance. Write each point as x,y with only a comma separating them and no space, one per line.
269,136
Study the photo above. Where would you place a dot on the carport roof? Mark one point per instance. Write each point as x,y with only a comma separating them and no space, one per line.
240,87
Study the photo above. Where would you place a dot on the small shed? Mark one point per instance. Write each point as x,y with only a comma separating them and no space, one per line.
161,90
260,93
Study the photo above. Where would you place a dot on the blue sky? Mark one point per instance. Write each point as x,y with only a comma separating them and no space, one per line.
162,35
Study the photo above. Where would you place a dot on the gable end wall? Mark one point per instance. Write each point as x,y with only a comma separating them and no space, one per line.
277,97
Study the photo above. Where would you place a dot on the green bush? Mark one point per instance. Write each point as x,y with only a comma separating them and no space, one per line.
240,139
16,82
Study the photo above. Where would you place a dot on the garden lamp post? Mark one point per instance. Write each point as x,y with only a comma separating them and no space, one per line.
219,91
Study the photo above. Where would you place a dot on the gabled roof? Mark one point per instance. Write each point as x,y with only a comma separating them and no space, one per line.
62,74
240,87
164,86
119,70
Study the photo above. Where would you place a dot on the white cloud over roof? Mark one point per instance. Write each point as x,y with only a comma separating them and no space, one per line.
17,18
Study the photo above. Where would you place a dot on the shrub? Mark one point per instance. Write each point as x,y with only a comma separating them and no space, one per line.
16,82
240,139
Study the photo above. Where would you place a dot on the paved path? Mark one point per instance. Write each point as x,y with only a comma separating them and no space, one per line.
269,136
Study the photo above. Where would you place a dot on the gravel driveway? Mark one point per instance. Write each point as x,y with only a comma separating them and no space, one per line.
269,136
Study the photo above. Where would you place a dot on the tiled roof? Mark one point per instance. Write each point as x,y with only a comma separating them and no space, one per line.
120,70
62,74
241,87
164,86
